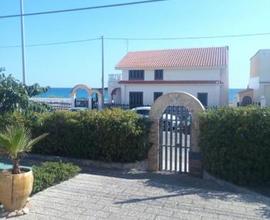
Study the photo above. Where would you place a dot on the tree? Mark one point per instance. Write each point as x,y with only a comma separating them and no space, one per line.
16,96
35,89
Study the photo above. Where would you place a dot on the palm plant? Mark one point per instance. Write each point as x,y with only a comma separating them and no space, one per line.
15,141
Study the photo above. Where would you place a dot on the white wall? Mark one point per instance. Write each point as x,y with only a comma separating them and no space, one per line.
260,65
267,94
202,74
260,75
198,74
113,83
217,94
257,93
149,89
224,88
264,69
254,82
125,75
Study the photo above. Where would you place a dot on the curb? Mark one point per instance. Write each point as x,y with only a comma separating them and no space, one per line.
140,165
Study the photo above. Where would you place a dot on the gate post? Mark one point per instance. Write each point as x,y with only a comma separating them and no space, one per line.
195,156
195,164
153,153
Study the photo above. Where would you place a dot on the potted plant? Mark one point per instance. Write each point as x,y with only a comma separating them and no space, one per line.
16,184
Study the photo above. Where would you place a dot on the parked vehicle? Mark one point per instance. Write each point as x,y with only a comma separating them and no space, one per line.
143,111
170,122
76,109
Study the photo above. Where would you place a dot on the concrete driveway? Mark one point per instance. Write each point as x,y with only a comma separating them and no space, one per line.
112,194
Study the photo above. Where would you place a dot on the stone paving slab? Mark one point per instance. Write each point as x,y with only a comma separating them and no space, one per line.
107,194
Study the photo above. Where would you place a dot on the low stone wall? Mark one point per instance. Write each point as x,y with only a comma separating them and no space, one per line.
140,165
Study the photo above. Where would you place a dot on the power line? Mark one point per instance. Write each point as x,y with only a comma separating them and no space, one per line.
190,37
80,9
53,43
141,39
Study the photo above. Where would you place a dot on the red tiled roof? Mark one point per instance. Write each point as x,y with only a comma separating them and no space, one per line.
176,58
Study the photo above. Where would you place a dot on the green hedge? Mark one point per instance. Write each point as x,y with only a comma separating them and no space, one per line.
51,173
235,143
17,118
109,135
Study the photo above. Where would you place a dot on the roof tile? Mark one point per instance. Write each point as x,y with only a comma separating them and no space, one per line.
176,58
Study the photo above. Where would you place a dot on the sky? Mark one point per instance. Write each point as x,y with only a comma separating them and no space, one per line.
68,65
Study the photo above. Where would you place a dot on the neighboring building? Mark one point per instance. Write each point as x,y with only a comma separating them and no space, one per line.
146,75
114,88
258,90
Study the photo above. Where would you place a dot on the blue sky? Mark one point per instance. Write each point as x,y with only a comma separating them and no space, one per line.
67,65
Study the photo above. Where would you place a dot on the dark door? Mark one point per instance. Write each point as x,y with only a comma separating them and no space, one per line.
135,99
203,97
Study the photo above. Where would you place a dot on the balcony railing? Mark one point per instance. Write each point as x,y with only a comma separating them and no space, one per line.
114,77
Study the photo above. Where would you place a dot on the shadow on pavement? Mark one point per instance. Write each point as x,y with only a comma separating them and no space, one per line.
175,185
180,185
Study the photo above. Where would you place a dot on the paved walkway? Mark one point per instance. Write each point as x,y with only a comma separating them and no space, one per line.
106,194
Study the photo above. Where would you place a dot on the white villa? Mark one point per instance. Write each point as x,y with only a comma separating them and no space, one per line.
146,75
258,90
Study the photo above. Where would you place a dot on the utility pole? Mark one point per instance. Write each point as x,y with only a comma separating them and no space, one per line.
22,42
102,69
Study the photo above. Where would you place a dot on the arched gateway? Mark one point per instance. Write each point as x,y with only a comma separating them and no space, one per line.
174,134
90,93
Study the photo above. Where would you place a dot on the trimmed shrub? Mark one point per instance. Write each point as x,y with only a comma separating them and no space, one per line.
109,135
18,118
235,143
52,173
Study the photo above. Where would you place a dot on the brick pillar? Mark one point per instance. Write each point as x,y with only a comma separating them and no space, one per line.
153,152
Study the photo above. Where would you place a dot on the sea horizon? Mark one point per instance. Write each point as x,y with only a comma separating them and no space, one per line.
64,92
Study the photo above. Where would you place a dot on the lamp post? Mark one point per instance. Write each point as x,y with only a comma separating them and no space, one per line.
22,42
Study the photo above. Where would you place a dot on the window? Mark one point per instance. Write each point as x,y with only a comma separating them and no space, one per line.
203,97
144,113
136,74
158,74
135,99
157,94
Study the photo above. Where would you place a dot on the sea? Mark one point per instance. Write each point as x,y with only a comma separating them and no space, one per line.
65,93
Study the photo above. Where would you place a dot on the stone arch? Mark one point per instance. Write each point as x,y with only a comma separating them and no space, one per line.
195,107
99,95
116,95
247,100
80,86
89,91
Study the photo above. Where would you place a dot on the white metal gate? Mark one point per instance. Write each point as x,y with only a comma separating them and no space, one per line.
174,133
